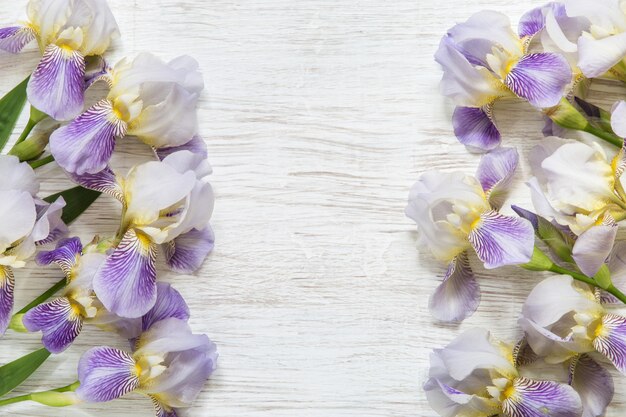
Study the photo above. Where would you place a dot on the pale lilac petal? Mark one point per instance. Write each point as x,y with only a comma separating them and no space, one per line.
458,296
547,344
106,374
196,145
170,335
57,320
49,225
594,384
593,247
186,253
611,341
532,398
86,144
534,21
502,240
57,84
7,287
103,181
495,173
475,129
169,304
65,254
14,38
540,78
596,57
126,282
451,402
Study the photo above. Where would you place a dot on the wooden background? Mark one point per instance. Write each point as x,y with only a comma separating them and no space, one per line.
319,115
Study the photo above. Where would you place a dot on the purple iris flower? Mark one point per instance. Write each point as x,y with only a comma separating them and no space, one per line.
484,60
168,363
455,213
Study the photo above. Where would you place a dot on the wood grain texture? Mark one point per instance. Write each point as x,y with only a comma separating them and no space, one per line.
319,115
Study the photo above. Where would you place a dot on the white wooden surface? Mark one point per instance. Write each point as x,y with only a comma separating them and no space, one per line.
319,115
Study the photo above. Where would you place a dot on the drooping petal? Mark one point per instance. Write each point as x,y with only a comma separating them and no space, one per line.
169,335
597,56
475,129
65,254
58,83
593,247
450,402
49,225
186,253
551,347
169,304
103,181
540,78
126,282
59,322
14,38
86,144
495,173
458,296
502,240
196,145
7,287
611,340
533,21
532,398
593,383
106,374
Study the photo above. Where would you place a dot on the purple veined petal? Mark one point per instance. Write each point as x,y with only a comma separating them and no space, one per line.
458,296
126,282
106,374
611,340
57,84
530,398
162,410
540,78
596,57
186,253
103,181
502,240
59,322
86,144
593,383
65,254
196,146
13,39
533,21
7,287
169,304
495,173
593,247
475,129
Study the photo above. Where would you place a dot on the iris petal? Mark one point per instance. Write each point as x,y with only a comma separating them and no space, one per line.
475,129
106,374
458,296
7,287
58,322
532,398
14,38
611,340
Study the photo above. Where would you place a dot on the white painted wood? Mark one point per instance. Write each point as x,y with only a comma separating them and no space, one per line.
319,115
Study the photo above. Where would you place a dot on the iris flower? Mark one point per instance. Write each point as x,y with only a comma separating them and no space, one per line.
148,98
165,203
25,222
484,60
168,362
68,32
478,376
455,213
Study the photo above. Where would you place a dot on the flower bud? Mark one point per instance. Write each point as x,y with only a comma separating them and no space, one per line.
565,115
539,261
31,148
55,399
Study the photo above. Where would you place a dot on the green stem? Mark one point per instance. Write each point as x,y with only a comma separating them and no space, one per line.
44,296
29,128
44,397
613,290
41,162
617,293
606,136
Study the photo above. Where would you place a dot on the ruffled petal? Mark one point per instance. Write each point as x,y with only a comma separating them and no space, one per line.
7,287
187,252
106,374
58,83
534,21
458,296
196,146
103,181
65,255
597,56
495,173
502,240
532,398
450,402
86,144
475,129
593,247
14,38
593,383
126,282
540,78
611,340
59,322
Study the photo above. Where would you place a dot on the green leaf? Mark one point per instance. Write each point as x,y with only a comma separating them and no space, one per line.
11,106
14,373
77,200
